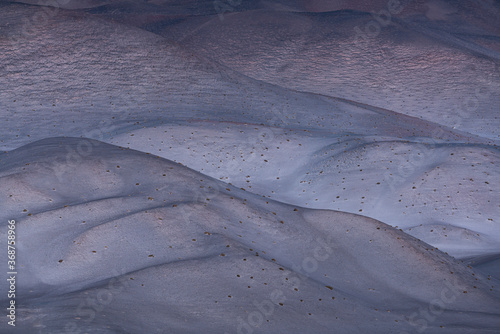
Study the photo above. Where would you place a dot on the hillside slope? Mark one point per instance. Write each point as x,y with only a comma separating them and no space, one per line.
130,241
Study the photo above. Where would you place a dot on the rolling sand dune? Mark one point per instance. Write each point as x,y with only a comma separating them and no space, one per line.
413,66
264,167
172,250
440,193
76,73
